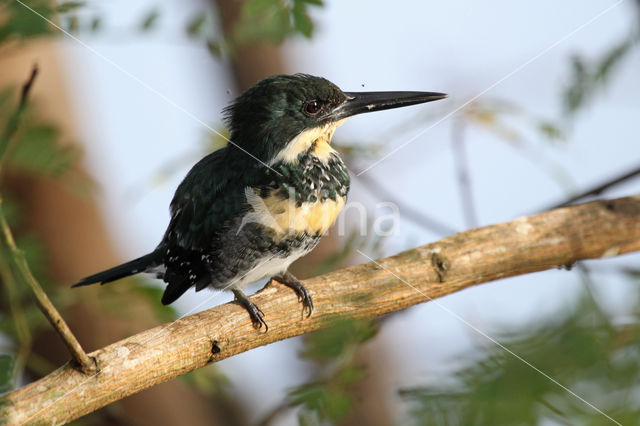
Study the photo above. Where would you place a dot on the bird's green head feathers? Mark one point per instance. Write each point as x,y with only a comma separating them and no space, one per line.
274,111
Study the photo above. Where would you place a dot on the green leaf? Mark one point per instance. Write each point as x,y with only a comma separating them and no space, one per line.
209,381
96,23
72,24
301,20
214,48
551,131
6,372
36,150
263,20
341,334
153,294
195,25
150,20
21,23
69,6
587,78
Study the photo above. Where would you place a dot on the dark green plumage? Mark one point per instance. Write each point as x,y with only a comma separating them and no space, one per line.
268,115
229,222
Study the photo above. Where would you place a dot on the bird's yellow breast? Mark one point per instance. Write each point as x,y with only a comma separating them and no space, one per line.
286,217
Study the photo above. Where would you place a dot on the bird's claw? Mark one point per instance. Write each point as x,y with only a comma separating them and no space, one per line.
257,316
255,313
301,291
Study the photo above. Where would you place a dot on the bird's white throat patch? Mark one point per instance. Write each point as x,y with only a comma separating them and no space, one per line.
318,137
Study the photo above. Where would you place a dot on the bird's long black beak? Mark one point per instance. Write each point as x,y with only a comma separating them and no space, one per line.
361,102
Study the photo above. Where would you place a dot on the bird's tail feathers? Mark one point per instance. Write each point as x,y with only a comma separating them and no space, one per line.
141,264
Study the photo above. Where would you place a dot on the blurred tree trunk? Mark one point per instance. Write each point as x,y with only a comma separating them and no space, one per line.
76,243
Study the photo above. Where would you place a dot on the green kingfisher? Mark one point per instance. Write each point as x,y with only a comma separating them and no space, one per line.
247,211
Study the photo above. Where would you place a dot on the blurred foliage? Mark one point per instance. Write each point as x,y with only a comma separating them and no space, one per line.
588,77
34,148
582,349
30,147
270,21
329,397
274,20
153,294
150,20
19,23
6,367
210,381
497,115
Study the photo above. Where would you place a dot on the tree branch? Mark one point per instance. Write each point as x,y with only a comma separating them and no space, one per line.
552,239
598,189
83,362
408,212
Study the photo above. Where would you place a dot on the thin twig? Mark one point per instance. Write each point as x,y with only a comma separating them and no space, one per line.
12,124
86,364
414,215
598,189
47,308
462,172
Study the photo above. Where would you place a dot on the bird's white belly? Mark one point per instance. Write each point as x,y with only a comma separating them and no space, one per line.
267,267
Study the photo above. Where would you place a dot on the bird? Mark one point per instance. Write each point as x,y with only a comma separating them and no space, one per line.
249,210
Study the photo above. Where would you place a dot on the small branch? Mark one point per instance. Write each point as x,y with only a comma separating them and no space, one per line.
598,189
414,215
549,240
86,364
462,172
26,87
12,124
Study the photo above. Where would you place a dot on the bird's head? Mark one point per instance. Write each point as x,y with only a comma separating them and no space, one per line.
282,115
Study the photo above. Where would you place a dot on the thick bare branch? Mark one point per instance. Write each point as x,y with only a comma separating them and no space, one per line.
552,239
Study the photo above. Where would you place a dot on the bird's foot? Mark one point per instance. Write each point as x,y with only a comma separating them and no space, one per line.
296,285
256,314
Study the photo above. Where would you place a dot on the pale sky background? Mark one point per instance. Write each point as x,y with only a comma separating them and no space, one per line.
458,47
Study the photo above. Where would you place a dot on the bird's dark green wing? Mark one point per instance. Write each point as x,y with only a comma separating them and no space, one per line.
207,199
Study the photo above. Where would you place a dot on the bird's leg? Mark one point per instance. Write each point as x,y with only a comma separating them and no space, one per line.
296,285
254,311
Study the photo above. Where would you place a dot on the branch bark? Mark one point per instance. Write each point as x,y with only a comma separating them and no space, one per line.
552,239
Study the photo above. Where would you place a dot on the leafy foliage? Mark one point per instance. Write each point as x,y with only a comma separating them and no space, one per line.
69,6
37,150
209,381
587,78
6,370
20,23
154,294
328,397
583,350
273,21
150,20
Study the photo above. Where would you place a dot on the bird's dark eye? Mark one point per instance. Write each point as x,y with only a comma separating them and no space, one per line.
312,107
